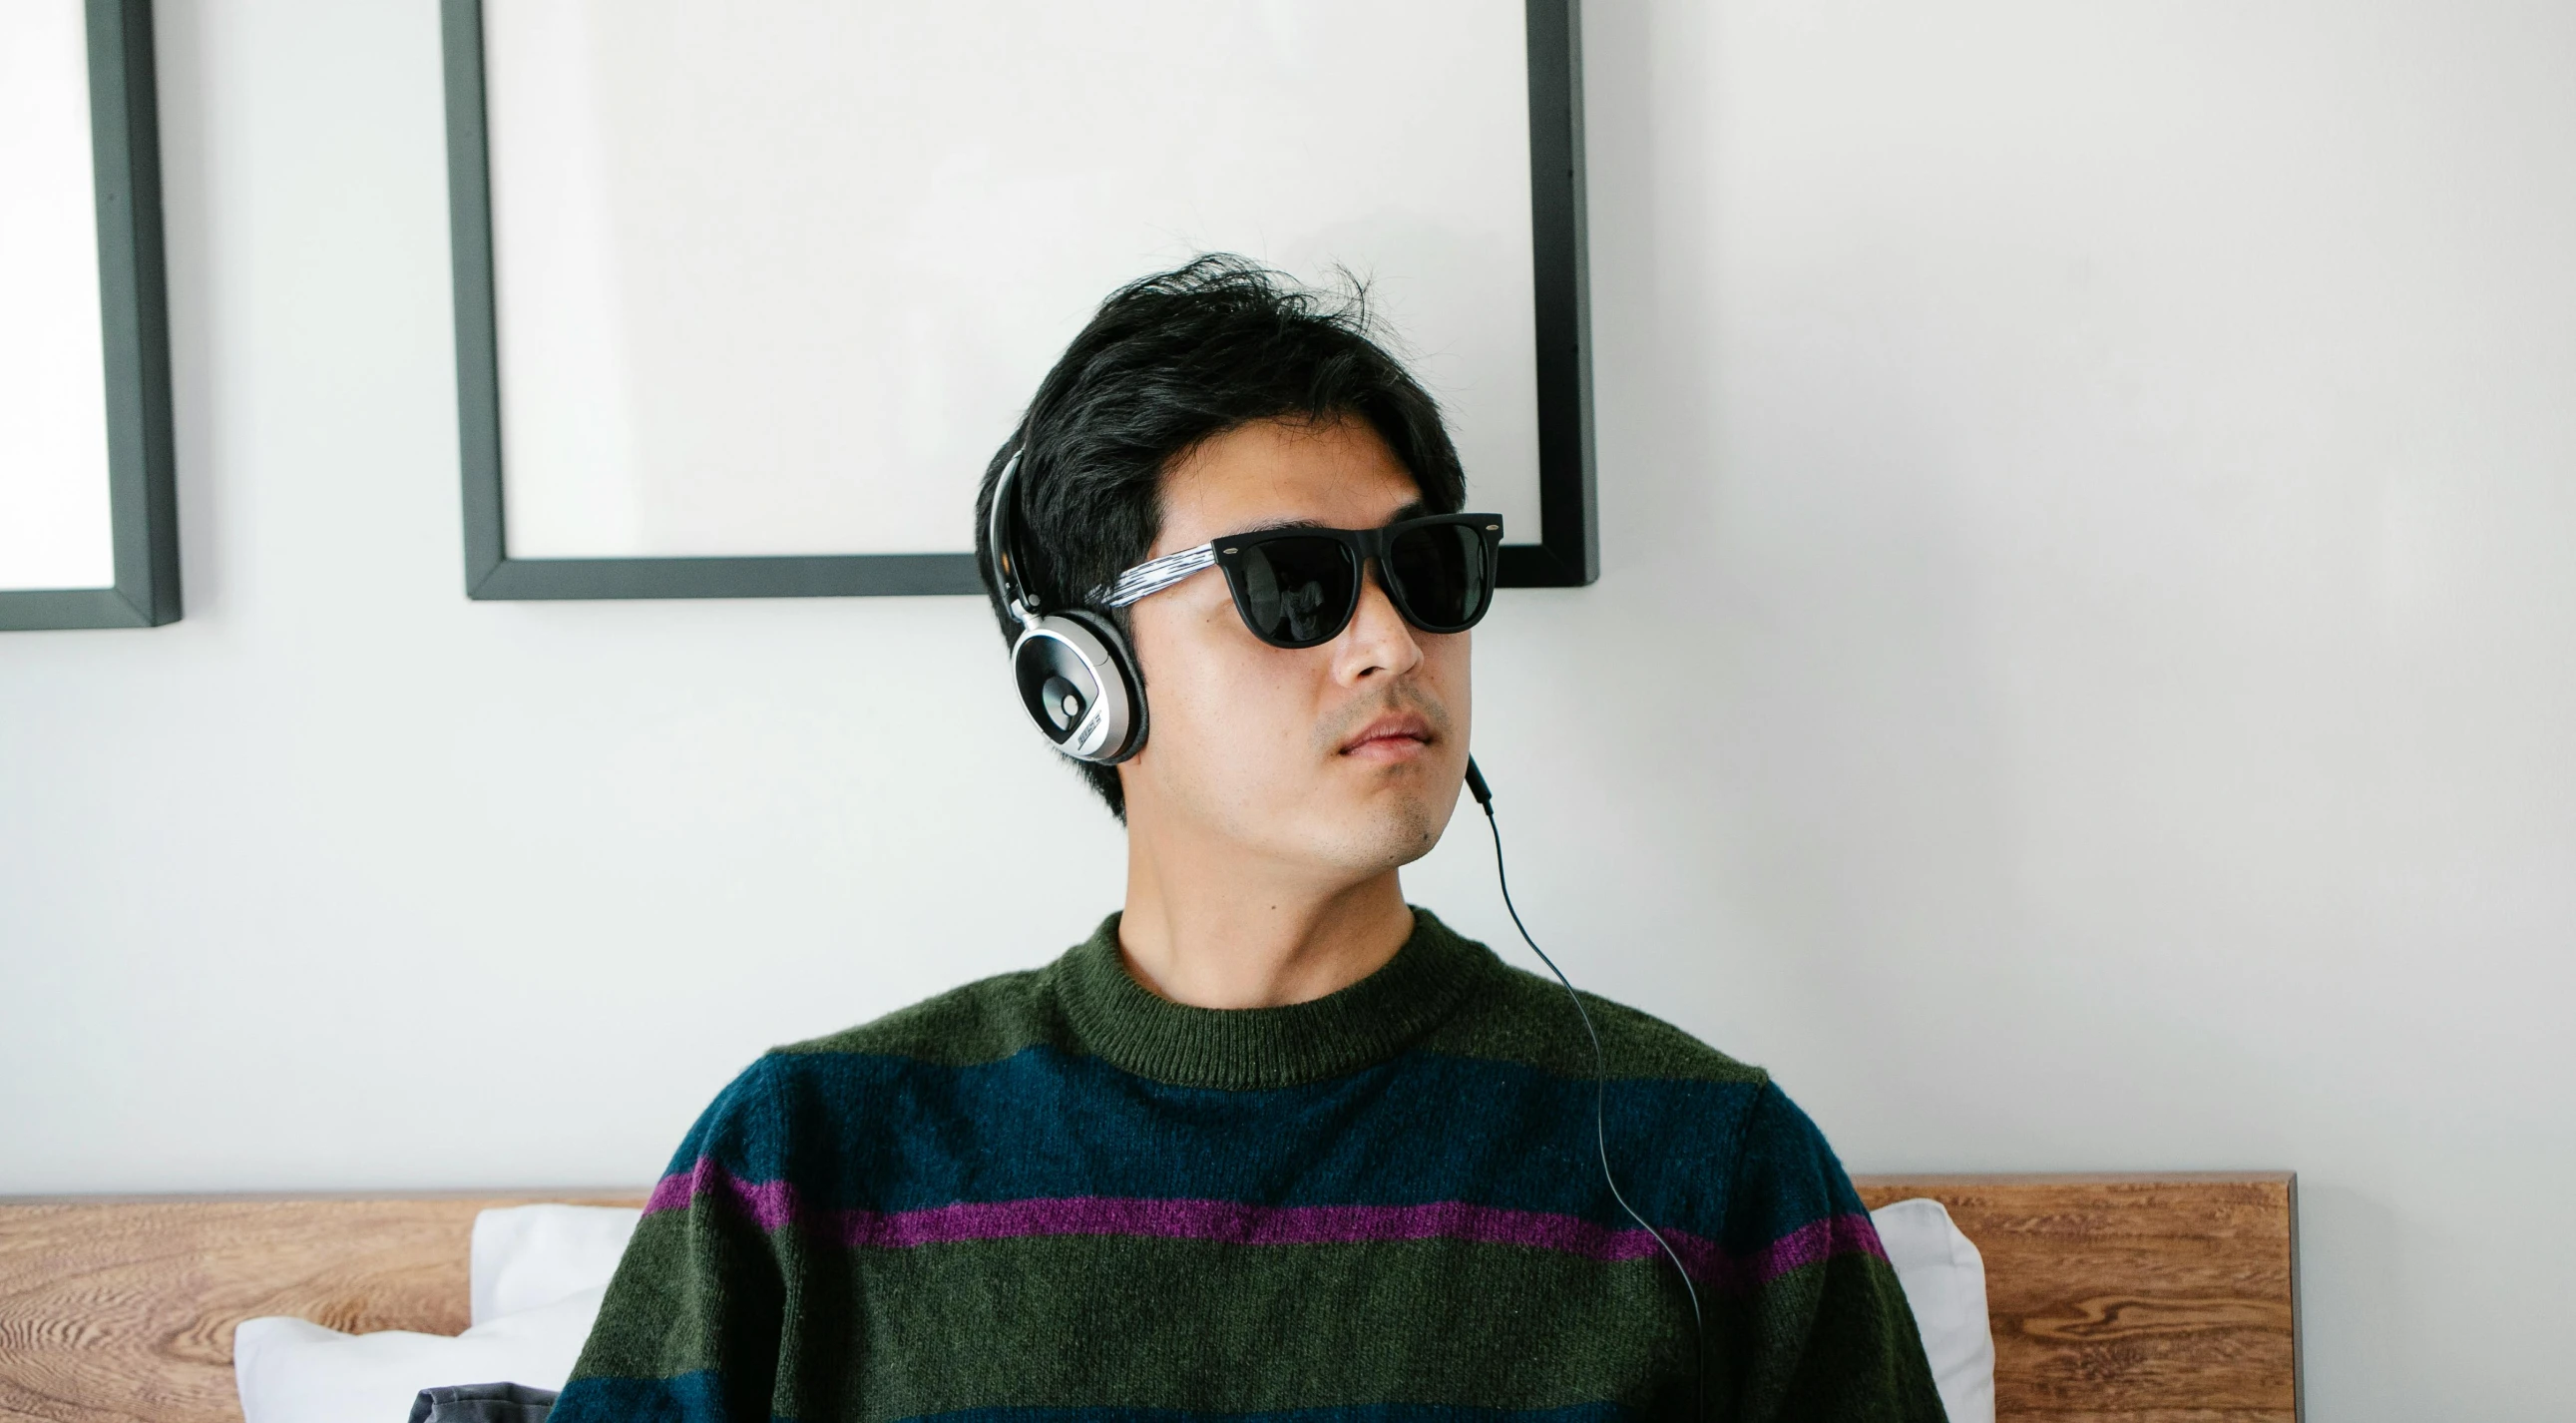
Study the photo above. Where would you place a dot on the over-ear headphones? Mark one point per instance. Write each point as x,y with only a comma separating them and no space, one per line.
1076,675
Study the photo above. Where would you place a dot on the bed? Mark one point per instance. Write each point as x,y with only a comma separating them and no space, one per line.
2113,1298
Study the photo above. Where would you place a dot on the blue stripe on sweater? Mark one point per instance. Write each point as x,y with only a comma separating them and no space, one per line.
694,1397
1357,1413
697,1397
896,1133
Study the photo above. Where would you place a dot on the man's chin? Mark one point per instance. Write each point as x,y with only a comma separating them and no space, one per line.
1393,828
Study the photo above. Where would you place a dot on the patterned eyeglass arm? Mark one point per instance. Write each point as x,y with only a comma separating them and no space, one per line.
1154,575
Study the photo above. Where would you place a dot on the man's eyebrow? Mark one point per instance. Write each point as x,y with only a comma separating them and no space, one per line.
1269,526
1414,510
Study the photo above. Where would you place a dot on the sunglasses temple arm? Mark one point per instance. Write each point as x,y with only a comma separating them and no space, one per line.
1154,575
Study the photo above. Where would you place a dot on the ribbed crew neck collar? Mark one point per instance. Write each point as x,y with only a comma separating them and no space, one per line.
1123,1022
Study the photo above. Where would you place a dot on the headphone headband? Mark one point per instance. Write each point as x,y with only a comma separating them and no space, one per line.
1000,529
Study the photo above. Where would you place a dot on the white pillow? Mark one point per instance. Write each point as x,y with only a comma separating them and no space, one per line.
526,1257
1945,1285
536,1277
296,1371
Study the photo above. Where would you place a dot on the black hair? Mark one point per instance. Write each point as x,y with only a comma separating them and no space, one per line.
1168,362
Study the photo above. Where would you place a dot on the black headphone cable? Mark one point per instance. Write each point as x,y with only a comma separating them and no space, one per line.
1600,1094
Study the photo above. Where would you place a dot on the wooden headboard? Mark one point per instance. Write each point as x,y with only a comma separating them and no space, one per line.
2115,1299
2143,1299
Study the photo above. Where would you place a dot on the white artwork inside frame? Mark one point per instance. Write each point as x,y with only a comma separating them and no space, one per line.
56,527
777,278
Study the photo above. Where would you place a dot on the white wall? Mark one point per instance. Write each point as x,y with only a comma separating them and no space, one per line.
2083,678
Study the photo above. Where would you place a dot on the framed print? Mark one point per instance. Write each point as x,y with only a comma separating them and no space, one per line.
88,513
747,295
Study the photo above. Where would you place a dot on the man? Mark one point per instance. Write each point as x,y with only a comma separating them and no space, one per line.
1271,1141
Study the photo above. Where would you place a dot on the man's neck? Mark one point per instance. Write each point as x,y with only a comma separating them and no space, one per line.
1234,937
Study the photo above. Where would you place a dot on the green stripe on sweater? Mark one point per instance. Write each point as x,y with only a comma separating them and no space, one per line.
1058,1320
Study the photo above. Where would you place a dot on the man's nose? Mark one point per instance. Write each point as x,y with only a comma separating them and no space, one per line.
1378,639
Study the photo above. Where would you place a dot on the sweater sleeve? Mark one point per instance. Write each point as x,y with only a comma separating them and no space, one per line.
1825,1334
692,1327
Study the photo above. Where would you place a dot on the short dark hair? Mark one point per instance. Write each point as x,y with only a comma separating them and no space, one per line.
1168,362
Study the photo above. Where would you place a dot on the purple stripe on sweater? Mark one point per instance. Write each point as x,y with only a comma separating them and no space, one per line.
768,1204
1809,1244
772,1204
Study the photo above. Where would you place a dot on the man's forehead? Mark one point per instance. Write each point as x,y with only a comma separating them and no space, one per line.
1275,474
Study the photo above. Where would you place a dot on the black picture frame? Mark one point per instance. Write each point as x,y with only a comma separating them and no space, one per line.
1568,553
143,501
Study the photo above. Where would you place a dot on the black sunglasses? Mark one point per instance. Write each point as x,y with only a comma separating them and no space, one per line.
1298,587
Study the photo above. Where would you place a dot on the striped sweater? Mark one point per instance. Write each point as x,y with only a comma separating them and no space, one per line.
1052,1197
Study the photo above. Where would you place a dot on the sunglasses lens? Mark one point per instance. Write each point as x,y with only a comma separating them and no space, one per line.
1443,574
1297,592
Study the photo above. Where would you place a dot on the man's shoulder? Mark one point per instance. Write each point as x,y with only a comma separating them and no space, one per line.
836,1088
984,1021
1524,1018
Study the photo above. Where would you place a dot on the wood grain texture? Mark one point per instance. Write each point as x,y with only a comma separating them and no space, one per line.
2132,1299
2115,1299
122,1311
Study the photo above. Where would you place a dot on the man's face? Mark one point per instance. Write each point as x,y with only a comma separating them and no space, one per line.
1343,759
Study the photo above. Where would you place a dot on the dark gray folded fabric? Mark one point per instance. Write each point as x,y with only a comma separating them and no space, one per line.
483,1403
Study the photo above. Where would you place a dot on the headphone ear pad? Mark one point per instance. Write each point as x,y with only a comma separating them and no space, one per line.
1079,684
1122,658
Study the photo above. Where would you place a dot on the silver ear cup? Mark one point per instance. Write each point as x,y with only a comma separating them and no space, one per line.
1078,689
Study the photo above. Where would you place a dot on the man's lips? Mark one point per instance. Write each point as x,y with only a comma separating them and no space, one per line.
1394,735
